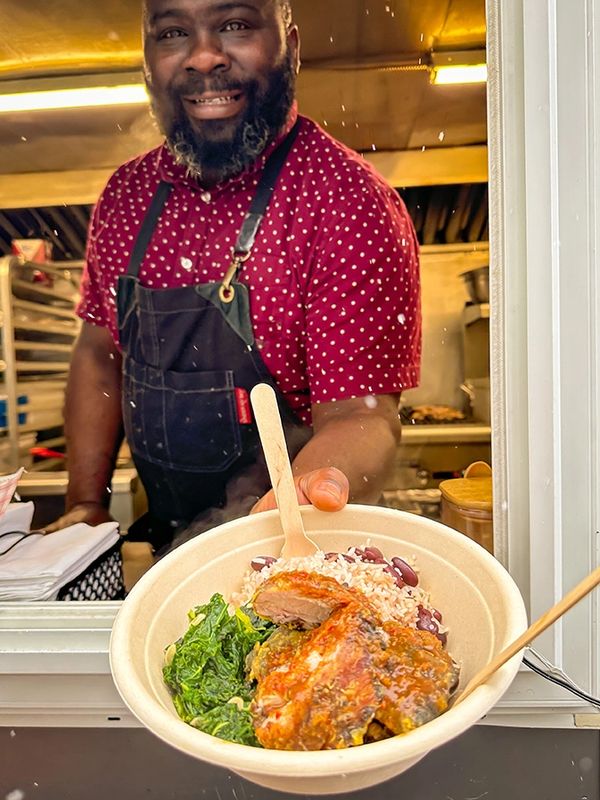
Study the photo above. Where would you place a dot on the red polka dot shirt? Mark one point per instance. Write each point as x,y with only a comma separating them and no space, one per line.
333,275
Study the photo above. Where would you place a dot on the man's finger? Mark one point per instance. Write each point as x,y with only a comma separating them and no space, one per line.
327,489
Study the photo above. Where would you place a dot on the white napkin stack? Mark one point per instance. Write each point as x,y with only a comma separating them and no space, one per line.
39,566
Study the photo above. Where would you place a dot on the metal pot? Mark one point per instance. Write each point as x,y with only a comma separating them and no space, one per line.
477,282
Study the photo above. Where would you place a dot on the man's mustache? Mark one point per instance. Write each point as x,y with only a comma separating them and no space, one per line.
200,85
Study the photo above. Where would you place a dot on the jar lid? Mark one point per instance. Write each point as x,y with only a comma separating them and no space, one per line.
474,491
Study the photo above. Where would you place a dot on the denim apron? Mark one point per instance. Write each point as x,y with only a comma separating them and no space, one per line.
189,363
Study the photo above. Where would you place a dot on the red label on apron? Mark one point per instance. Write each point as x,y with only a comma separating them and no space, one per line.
242,401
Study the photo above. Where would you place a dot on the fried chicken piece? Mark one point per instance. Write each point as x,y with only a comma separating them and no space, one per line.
302,599
418,678
326,695
351,679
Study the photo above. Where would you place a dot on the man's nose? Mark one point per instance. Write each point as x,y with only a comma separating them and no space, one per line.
206,54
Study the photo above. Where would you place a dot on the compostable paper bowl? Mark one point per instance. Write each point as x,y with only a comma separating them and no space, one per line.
479,600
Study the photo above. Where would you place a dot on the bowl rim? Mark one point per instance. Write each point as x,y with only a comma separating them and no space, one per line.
244,758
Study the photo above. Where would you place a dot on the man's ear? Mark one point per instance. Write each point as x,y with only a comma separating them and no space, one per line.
293,40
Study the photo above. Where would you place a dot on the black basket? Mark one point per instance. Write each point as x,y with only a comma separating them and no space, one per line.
102,580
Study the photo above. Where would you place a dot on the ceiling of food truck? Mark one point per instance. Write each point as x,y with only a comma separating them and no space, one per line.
363,77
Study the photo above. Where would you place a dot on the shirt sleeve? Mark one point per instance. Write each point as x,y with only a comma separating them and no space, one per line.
363,311
94,305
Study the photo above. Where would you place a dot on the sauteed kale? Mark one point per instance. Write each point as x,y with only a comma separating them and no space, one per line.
206,674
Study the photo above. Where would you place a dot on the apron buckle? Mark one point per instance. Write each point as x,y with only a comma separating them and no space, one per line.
226,290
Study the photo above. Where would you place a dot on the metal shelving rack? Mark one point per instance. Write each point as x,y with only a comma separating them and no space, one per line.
38,327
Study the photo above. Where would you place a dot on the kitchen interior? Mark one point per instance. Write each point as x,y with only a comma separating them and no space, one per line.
368,76
368,69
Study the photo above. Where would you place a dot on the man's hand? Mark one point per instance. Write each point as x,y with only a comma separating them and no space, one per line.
90,513
326,489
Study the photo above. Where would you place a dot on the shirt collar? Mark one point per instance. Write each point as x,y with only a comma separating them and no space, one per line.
171,172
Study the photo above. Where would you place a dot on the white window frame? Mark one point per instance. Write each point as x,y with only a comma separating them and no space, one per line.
543,113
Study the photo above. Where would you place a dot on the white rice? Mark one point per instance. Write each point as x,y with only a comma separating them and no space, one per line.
391,601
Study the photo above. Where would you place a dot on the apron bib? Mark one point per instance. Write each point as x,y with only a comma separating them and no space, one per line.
189,363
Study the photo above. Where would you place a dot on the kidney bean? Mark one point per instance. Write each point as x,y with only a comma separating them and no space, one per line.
425,622
396,575
437,614
331,556
374,555
408,574
260,562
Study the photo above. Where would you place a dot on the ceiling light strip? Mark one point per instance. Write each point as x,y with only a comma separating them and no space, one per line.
459,73
131,94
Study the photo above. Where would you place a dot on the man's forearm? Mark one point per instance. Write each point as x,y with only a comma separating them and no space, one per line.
93,423
362,446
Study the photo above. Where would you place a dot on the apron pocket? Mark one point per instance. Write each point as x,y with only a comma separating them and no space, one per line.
181,420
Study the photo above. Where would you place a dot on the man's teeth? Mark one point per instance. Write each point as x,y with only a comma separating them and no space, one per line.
215,101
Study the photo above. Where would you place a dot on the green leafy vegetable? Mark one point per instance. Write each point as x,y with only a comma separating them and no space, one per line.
207,670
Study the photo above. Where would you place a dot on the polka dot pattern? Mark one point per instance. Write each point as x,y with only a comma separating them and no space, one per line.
333,276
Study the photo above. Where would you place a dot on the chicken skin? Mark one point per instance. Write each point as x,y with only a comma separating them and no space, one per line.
349,678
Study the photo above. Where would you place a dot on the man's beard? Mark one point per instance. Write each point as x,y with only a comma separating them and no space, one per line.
220,153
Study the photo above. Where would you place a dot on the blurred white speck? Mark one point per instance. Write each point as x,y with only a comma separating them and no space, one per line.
132,404
387,8
401,319
343,107
331,39
365,479
113,36
441,136
119,127
106,394
23,138
16,794
422,36
373,147
371,401
13,734
423,149
325,123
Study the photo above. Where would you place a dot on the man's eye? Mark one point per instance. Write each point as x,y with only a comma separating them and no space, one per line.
173,33
235,25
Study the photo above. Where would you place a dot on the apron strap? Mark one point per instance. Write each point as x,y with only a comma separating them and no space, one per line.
147,229
264,190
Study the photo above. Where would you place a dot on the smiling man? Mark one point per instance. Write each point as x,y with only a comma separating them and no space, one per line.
220,100
250,247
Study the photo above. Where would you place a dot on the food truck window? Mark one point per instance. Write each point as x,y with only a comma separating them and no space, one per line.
381,78
367,79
